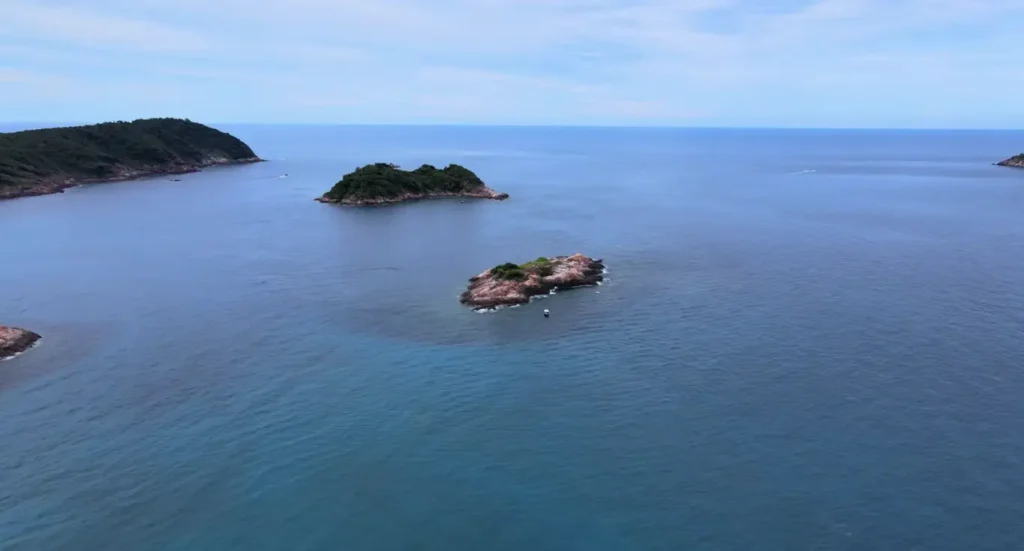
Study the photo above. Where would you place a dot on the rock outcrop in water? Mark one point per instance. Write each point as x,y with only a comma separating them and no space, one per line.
15,341
384,184
1015,162
50,160
510,284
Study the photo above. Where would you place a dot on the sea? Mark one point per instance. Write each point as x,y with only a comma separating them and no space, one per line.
807,340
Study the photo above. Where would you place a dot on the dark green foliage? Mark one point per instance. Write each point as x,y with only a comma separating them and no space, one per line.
100,151
539,262
508,270
388,181
542,266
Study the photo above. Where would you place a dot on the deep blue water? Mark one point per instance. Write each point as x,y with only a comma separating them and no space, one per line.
808,340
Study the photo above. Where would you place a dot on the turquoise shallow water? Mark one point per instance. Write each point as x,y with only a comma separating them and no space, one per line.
808,340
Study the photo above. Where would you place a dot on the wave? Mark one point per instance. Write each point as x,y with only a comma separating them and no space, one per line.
35,344
491,309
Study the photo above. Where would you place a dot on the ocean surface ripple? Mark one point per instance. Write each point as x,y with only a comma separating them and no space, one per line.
807,340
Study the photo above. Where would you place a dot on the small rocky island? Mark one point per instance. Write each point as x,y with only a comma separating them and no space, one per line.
1015,162
509,284
50,160
384,184
15,341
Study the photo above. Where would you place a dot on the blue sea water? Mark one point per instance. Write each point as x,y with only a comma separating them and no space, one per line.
808,340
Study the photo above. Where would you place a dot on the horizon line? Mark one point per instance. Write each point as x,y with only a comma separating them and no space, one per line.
56,124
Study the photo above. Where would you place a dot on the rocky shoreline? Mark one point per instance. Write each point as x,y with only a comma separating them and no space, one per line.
1013,162
485,193
14,341
49,187
510,284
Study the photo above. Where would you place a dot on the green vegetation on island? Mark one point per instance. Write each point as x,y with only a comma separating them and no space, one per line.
517,272
37,162
384,183
508,271
508,283
1016,162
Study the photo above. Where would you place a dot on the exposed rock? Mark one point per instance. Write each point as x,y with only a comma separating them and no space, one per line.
483,193
15,341
1015,162
510,284
121,174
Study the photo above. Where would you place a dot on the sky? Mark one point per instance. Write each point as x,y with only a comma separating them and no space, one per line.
707,63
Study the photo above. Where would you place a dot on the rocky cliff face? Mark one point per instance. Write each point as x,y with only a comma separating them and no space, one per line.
15,341
120,174
511,284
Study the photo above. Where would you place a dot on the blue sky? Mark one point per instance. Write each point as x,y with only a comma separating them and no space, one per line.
784,63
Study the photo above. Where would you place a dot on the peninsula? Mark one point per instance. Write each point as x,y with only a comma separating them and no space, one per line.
50,160
15,341
509,284
1015,162
384,184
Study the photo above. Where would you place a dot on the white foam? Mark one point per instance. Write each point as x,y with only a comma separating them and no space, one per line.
35,344
808,171
490,309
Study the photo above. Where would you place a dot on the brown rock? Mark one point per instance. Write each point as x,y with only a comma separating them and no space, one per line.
484,193
511,284
58,185
15,341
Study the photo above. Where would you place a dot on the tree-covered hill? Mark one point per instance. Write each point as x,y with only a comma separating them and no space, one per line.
35,162
1015,161
383,183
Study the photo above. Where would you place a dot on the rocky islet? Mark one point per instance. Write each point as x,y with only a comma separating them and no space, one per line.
1013,162
14,341
510,284
385,184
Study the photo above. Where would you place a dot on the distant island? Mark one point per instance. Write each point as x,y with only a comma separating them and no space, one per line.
509,283
384,184
1015,162
39,162
14,341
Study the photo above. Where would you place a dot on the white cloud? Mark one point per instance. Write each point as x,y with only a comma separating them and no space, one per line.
10,76
559,60
36,20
